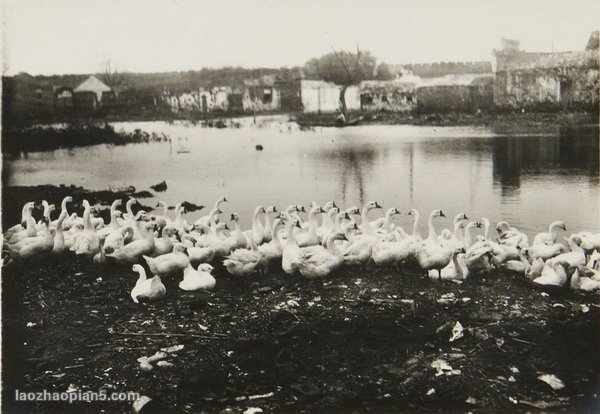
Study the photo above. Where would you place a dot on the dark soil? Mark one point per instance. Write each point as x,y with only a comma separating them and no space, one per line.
363,341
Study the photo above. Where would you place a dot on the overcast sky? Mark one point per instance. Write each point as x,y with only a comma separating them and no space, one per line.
78,36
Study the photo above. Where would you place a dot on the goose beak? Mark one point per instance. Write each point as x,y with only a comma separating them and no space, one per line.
275,209
377,205
232,217
442,214
225,199
465,217
298,225
346,216
226,227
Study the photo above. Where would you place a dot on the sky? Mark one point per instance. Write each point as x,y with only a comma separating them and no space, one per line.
80,36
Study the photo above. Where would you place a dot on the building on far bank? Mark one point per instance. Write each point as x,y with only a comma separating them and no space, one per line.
319,96
261,95
547,80
456,93
396,95
89,94
63,100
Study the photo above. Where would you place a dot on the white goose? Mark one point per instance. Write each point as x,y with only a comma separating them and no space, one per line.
317,261
86,242
550,236
165,243
268,228
133,252
30,226
291,250
146,289
327,227
273,249
38,249
170,263
198,279
257,232
574,258
455,270
386,230
430,254
310,238
244,262
554,274
206,220
211,239
59,239
25,214
360,249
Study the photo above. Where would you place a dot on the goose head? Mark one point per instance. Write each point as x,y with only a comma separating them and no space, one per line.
234,217
180,248
437,213
329,205
502,227
459,217
205,267
139,269
371,205
558,225
85,204
271,209
353,210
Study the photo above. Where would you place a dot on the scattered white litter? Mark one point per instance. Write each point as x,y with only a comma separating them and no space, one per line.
31,324
293,303
447,298
457,332
511,379
544,294
253,410
431,391
513,400
514,370
443,368
99,279
173,348
471,400
552,380
72,388
140,402
165,365
584,308
558,305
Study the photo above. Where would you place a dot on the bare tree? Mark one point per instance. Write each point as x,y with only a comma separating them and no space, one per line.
113,78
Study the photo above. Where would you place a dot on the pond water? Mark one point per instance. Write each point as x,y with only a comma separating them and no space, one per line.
529,178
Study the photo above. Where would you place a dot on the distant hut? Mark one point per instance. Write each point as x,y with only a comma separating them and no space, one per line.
63,100
89,94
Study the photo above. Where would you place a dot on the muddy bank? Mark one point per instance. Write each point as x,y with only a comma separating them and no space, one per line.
47,138
367,340
491,119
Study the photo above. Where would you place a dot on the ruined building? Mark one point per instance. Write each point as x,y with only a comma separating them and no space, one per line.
547,80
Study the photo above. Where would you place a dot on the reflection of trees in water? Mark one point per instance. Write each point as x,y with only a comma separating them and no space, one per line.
355,162
574,151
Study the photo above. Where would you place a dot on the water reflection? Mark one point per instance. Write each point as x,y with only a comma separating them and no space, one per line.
354,164
574,151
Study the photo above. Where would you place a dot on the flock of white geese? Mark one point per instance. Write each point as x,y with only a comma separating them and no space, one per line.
315,246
